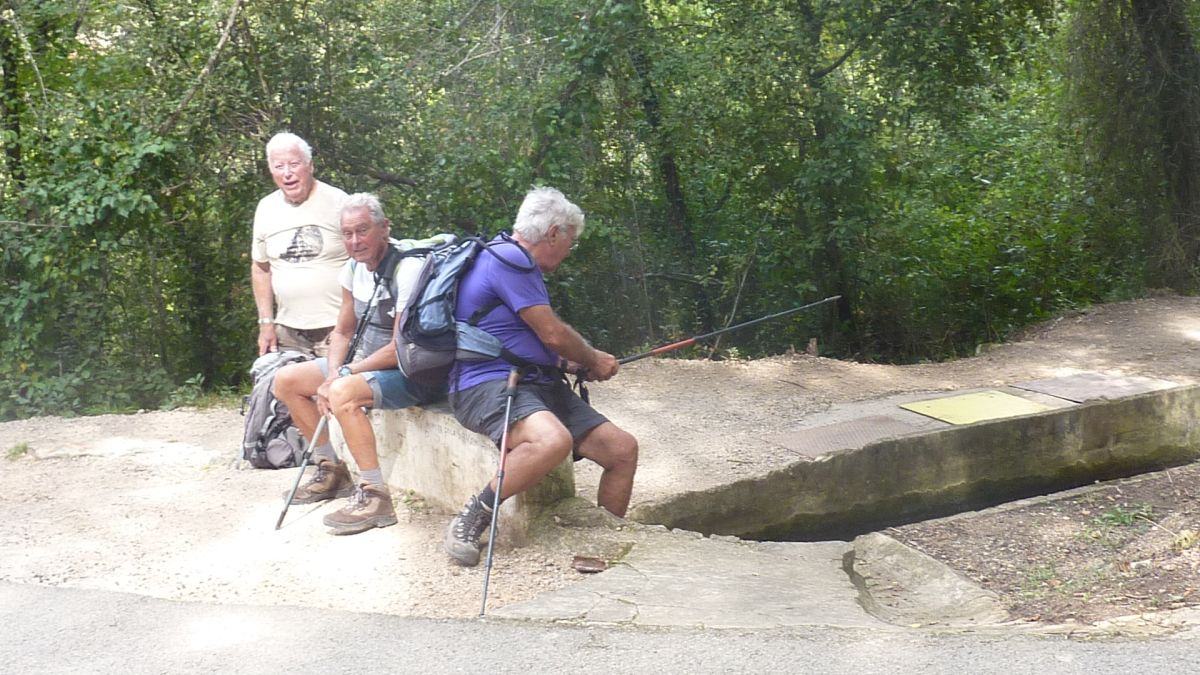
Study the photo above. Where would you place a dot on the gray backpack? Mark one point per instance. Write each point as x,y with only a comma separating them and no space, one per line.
429,339
270,441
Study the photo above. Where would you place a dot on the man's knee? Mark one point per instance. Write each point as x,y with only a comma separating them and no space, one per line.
346,395
289,381
543,430
612,448
624,448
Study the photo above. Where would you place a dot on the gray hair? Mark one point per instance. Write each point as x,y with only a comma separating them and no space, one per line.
543,207
366,202
284,140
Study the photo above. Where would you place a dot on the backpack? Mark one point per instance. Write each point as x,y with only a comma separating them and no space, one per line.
270,441
429,339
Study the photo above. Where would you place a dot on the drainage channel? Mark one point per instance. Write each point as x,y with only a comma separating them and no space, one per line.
897,481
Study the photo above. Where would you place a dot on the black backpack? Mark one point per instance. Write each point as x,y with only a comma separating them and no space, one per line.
430,339
270,441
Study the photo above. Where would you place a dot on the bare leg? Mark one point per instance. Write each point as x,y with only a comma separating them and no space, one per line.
347,397
295,386
616,451
537,444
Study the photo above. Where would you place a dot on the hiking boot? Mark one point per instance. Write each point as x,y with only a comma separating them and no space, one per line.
369,506
331,480
462,535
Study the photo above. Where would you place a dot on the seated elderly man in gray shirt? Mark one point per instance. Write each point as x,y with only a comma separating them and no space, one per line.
344,384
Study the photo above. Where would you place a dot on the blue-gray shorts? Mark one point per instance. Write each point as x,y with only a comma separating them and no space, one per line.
390,389
481,408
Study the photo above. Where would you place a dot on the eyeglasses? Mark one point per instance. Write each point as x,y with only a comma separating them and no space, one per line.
574,239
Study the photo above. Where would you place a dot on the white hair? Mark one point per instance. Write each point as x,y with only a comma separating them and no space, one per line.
366,202
285,140
542,208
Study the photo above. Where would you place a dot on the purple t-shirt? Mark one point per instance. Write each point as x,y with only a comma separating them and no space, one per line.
490,280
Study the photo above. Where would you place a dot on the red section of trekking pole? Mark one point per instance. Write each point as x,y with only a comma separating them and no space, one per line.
303,464
510,391
659,350
700,338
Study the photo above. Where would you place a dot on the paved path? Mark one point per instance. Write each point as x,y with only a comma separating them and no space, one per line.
63,630
690,581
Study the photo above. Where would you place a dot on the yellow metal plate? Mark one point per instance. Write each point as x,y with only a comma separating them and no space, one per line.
976,407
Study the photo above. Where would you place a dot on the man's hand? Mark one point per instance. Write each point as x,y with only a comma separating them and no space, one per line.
267,341
323,396
604,367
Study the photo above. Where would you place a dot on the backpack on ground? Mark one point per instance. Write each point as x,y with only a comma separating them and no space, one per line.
429,339
270,441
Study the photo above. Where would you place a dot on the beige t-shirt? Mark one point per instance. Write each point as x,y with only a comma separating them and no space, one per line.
303,244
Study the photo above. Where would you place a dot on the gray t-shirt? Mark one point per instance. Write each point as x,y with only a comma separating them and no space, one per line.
356,278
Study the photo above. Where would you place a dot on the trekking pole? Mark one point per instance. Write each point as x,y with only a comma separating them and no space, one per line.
359,328
510,391
303,465
700,338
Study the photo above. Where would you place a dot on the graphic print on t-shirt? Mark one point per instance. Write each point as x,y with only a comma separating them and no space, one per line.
306,245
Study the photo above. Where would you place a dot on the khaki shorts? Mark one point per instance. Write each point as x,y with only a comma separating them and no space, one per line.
311,341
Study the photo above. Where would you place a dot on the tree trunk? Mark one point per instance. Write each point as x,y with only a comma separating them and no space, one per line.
659,144
10,105
1173,70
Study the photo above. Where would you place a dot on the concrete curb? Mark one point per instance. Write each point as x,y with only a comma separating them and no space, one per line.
916,477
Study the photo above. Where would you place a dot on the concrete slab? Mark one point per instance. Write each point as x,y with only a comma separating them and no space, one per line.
855,433
975,407
678,579
918,476
1082,387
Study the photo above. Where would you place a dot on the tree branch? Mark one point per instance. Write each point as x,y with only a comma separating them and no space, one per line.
212,60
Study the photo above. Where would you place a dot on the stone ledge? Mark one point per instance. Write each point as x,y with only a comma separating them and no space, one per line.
935,473
426,451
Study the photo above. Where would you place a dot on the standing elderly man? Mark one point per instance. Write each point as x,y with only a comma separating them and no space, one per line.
548,421
344,384
297,253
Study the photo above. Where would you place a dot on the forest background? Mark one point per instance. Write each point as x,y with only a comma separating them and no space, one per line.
954,169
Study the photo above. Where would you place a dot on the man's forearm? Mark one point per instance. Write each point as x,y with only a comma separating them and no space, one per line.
339,345
569,344
383,358
264,295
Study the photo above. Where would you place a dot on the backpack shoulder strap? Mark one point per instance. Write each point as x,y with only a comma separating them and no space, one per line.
505,238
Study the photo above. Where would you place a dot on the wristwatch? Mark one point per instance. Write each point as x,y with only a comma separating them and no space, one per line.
263,320
344,371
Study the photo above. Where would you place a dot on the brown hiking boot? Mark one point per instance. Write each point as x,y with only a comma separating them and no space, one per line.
331,480
369,506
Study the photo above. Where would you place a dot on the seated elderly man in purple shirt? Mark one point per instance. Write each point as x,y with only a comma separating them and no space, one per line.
548,420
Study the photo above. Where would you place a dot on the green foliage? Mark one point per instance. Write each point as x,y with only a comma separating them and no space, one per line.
1124,516
950,169
17,451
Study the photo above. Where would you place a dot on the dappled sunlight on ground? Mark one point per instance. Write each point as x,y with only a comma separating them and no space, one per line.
1188,327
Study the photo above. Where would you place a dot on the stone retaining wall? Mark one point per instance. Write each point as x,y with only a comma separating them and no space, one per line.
914,477
426,451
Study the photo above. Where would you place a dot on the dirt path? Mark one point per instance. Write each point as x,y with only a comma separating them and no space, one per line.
149,503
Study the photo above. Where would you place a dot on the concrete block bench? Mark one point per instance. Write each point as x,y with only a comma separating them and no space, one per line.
427,451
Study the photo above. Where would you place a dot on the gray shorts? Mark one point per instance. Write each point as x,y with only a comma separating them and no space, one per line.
481,408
